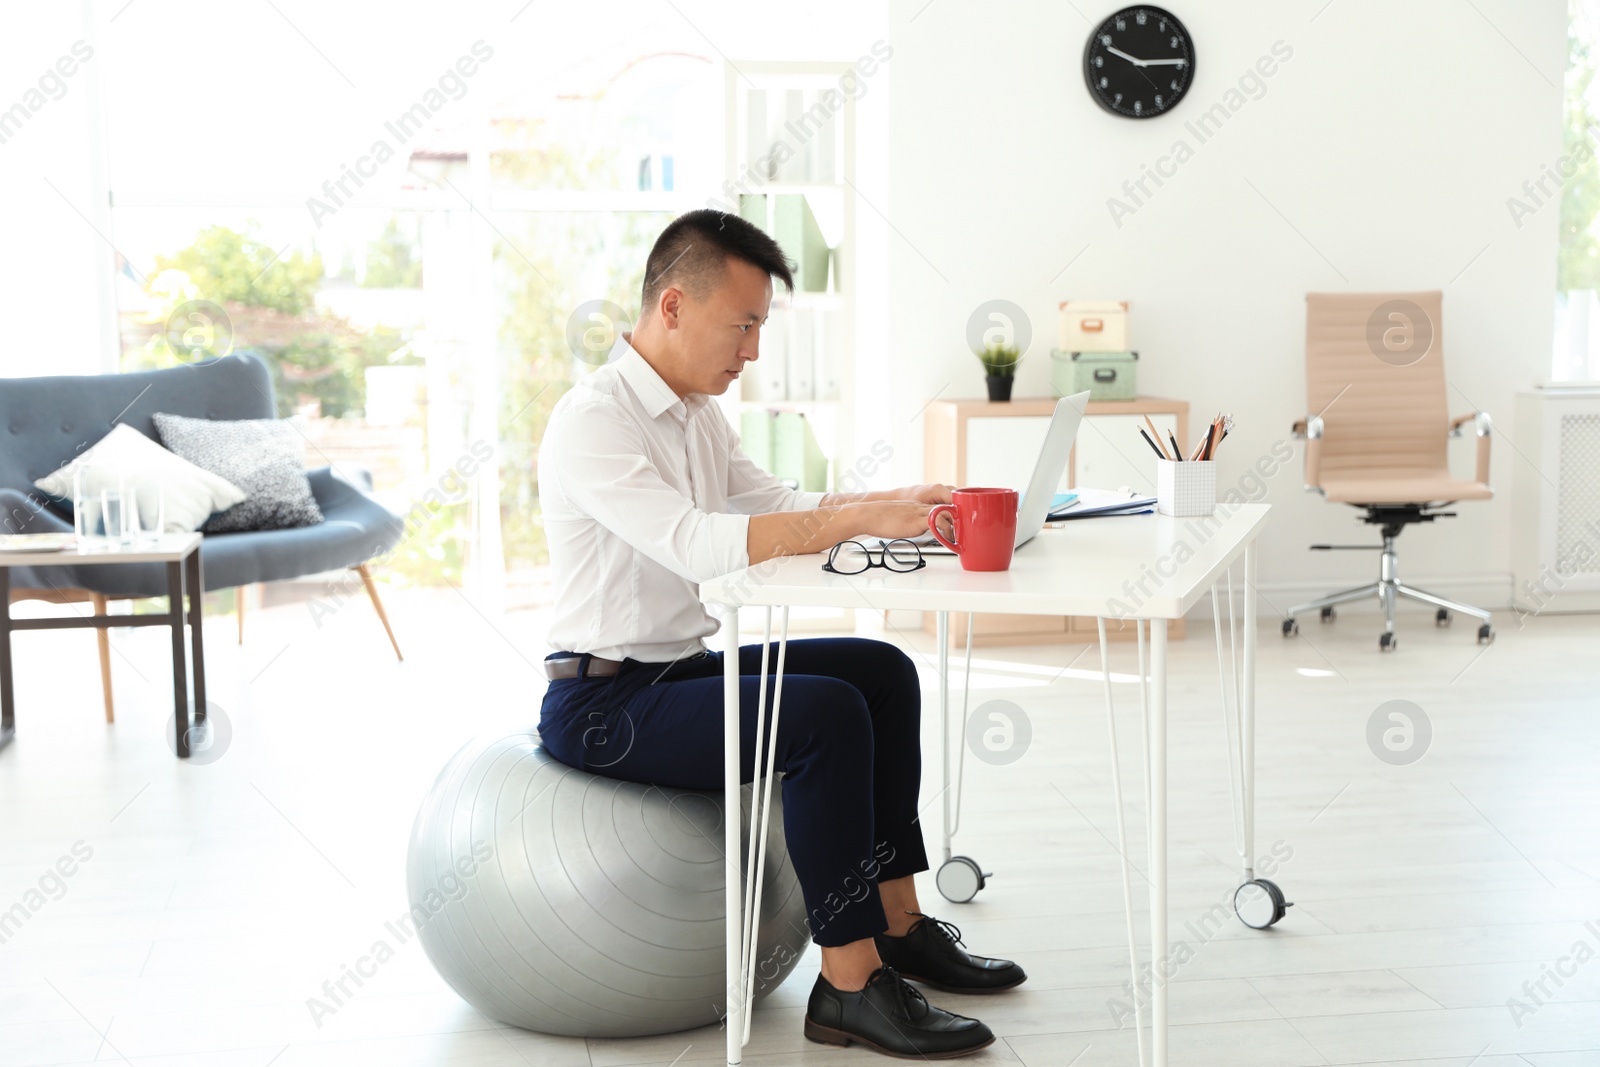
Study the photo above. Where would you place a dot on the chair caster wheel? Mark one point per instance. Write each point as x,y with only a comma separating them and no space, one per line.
1387,642
1328,614
1486,634
1259,904
959,879
1441,618
1290,628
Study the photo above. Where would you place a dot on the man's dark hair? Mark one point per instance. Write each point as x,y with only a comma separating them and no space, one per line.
693,251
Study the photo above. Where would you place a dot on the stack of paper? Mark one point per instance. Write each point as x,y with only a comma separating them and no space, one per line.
1092,503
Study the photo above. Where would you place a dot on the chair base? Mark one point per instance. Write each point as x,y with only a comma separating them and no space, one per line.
1388,589
1387,595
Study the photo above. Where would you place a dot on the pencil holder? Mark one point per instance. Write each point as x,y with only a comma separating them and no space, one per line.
1186,488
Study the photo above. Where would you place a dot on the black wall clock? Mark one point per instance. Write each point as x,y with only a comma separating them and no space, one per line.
1139,62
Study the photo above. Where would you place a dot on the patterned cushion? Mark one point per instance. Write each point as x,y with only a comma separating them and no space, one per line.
264,457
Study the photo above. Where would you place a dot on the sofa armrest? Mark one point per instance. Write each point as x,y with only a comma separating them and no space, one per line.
27,513
1483,430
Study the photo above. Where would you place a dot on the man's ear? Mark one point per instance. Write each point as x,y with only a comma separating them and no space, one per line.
671,306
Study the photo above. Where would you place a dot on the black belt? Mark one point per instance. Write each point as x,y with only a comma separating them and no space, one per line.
571,665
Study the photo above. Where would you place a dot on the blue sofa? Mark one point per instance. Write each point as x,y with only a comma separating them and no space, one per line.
45,422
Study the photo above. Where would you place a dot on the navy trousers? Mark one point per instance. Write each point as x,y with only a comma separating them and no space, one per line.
848,745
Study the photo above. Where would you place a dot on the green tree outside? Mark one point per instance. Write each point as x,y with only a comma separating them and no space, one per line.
1578,255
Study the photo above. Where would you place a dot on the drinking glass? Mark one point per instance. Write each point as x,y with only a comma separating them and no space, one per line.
115,508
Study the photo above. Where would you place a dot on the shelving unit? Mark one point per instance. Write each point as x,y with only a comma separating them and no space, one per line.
791,133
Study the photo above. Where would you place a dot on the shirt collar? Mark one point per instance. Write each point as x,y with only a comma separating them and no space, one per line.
651,389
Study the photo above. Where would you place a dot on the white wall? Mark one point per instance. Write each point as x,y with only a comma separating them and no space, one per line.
55,269
1380,156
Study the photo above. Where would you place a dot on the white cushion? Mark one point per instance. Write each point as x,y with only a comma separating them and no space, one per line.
127,456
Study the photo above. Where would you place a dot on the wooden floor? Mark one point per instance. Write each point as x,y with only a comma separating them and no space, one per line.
217,897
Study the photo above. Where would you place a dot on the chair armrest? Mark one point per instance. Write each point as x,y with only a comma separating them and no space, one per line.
1482,429
331,486
1311,429
27,513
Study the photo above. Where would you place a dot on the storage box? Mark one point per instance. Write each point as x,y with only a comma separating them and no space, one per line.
1107,375
1094,326
1186,489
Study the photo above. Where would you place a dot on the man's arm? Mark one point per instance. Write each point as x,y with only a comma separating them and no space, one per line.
792,533
926,494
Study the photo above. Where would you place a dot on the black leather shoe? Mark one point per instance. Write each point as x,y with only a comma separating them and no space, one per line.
887,1015
931,953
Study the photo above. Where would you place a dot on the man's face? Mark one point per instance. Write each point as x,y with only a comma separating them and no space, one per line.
716,336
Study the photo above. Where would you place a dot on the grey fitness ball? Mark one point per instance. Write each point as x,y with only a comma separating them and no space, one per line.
568,903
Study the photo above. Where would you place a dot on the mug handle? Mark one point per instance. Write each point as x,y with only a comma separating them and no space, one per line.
933,525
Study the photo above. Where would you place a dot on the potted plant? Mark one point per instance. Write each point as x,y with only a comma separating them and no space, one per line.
999,368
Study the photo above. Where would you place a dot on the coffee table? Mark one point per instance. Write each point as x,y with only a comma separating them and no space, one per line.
181,554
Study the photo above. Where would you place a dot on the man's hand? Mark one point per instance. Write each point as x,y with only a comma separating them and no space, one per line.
784,533
923,494
903,518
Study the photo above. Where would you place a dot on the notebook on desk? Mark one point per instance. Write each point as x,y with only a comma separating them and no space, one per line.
1092,503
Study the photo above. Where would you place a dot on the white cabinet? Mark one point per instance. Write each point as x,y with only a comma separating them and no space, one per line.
1110,452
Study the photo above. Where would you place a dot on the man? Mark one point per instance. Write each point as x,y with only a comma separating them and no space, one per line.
646,493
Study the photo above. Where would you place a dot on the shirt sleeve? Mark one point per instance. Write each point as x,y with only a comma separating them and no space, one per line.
754,491
598,457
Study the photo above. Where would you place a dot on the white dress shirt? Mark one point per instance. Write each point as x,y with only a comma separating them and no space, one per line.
645,495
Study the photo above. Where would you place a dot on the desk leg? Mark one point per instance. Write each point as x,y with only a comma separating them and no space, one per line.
1158,842
942,636
197,594
1247,710
180,673
731,845
8,726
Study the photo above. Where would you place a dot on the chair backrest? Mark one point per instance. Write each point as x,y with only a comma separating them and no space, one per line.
47,422
1375,374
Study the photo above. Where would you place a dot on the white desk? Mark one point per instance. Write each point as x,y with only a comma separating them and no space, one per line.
1150,568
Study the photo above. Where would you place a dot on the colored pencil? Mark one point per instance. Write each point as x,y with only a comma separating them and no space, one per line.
1155,433
1152,444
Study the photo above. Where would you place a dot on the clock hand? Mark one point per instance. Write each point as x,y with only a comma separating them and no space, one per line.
1123,55
1164,63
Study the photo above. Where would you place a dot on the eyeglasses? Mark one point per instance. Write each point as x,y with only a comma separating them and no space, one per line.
853,557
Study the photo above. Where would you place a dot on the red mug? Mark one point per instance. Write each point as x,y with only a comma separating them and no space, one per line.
985,527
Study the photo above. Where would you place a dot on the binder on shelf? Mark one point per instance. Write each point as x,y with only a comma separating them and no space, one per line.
801,355
822,149
755,436
795,453
826,379
756,135
753,209
794,168
795,229
767,379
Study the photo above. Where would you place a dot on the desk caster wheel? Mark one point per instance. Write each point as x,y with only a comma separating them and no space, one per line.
959,879
1328,614
1387,643
1290,628
1441,618
1259,904
1486,634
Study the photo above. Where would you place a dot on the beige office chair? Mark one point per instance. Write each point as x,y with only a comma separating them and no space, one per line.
1376,435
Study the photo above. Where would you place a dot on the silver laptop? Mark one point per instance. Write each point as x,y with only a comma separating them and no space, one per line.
1047,471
